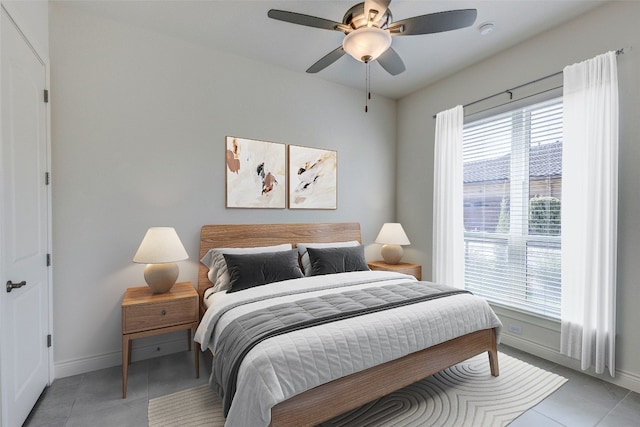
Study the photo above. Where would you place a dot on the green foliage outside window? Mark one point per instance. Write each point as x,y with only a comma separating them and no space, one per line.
544,216
503,219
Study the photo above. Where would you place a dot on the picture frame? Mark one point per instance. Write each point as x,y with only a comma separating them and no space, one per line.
255,173
313,178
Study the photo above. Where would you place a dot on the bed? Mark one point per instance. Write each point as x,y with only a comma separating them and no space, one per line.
323,401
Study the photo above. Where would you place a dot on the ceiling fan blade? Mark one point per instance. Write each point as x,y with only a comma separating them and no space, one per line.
327,60
378,5
434,22
391,61
306,20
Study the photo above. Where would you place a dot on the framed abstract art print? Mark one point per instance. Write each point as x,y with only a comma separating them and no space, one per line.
313,178
255,173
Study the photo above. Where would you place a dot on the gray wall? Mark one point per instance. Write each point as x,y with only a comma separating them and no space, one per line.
139,122
609,27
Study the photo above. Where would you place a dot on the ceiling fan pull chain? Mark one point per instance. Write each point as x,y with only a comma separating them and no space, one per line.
367,72
366,88
369,79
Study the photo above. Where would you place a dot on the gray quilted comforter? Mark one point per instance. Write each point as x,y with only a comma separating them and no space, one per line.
282,365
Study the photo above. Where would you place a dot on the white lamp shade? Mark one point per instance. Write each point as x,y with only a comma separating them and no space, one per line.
160,245
392,233
366,43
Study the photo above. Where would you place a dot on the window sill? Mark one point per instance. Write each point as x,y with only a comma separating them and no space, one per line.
538,320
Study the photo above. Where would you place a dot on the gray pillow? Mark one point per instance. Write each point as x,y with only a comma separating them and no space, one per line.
214,260
337,260
250,270
304,256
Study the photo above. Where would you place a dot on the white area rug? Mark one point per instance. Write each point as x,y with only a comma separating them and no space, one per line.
463,395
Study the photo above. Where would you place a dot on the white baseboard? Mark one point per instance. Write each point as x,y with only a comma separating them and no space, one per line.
69,367
624,379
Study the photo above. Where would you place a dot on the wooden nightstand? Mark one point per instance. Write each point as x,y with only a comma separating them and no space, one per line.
145,314
402,267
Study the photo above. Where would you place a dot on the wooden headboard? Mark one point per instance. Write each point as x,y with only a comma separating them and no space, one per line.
250,235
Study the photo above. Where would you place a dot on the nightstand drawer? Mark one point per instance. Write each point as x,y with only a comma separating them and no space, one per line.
159,315
414,270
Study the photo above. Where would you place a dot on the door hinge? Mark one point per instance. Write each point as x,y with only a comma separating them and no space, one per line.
47,178
49,340
48,260
46,95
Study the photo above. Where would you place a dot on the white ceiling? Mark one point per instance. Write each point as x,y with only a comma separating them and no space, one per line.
243,28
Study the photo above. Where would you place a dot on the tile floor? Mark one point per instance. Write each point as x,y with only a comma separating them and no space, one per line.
95,398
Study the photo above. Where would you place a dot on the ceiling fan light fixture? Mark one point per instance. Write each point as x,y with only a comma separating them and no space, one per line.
367,43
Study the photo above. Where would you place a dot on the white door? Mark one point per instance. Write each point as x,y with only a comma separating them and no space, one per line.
24,228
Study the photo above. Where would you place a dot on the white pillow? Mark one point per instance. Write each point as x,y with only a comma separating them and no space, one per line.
214,260
304,256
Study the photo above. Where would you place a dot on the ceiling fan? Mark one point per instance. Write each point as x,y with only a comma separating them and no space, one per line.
369,27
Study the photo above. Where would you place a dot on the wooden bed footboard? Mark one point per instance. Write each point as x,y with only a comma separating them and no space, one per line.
344,394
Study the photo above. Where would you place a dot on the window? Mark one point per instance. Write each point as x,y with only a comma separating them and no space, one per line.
512,199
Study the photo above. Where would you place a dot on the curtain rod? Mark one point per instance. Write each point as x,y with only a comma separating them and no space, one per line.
510,91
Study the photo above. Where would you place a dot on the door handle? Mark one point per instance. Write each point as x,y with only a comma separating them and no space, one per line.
11,285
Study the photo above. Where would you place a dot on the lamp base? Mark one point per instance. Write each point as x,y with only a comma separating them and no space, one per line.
392,253
161,277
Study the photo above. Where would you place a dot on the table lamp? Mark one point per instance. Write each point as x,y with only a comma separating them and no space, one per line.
391,236
160,249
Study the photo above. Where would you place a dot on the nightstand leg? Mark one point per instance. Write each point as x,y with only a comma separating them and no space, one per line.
196,350
126,356
189,338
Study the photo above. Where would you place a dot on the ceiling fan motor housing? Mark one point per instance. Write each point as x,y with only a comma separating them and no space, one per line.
355,18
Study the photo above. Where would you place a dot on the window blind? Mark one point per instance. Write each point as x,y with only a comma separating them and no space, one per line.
512,206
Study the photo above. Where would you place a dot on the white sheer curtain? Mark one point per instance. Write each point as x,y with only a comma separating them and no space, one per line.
448,225
590,212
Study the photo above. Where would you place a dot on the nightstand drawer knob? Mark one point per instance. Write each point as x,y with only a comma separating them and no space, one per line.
164,312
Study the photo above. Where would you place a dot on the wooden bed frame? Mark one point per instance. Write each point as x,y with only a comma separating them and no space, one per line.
343,394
